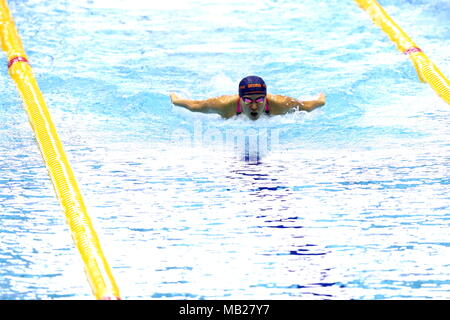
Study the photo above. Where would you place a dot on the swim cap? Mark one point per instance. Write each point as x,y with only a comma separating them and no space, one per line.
252,85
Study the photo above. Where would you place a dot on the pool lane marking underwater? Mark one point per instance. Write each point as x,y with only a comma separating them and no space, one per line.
425,68
83,233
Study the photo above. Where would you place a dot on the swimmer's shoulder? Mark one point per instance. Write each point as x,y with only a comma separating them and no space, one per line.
277,103
280,104
276,99
225,105
226,100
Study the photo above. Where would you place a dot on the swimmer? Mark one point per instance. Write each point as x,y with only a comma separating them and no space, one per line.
253,101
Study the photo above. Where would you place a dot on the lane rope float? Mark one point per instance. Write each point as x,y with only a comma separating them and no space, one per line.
425,68
66,187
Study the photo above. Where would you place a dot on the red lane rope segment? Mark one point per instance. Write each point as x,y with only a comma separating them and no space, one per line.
17,59
412,50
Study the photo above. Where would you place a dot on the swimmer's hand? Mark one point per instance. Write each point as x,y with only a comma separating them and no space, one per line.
174,98
322,98
313,104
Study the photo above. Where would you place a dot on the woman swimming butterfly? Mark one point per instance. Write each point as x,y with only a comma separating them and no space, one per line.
252,101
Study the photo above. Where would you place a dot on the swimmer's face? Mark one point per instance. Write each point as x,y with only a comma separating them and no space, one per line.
253,105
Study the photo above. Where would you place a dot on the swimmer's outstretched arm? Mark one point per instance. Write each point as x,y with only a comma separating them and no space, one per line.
192,105
313,104
220,105
284,104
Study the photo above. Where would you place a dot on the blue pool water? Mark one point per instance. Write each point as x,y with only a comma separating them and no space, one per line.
347,202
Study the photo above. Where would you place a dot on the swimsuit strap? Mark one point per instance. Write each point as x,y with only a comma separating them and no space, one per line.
239,109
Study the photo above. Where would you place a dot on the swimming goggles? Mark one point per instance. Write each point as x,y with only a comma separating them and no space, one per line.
258,100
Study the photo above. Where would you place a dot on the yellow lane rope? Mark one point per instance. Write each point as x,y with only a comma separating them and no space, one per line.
85,238
425,68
